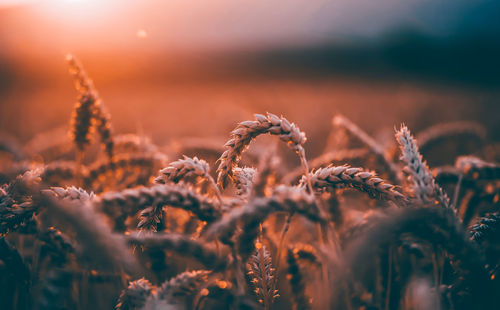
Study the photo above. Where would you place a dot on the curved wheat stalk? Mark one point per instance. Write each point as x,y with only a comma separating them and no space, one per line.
130,201
437,134
182,245
123,161
251,215
373,146
246,131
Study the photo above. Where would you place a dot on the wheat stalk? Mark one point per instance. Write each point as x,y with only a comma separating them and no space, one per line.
17,273
437,227
123,161
437,134
182,245
188,168
469,170
357,178
284,199
424,186
301,301
73,206
55,288
246,131
130,201
89,111
477,169
373,146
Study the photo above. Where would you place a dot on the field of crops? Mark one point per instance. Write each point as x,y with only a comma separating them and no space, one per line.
390,218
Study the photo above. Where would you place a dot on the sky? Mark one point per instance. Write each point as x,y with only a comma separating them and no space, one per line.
188,24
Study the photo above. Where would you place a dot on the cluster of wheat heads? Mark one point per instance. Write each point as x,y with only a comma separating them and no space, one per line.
133,232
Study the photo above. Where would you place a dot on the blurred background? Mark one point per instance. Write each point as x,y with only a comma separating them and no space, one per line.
183,68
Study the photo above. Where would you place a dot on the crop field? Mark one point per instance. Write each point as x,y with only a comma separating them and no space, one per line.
249,195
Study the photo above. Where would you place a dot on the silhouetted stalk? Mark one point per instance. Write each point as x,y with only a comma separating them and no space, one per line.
284,230
389,280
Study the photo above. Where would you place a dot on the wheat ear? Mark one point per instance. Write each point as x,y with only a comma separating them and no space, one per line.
424,187
246,131
243,181
262,275
89,111
83,114
485,227
188,168
182,285
135,295
103,125
336,158
364,181
16,205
